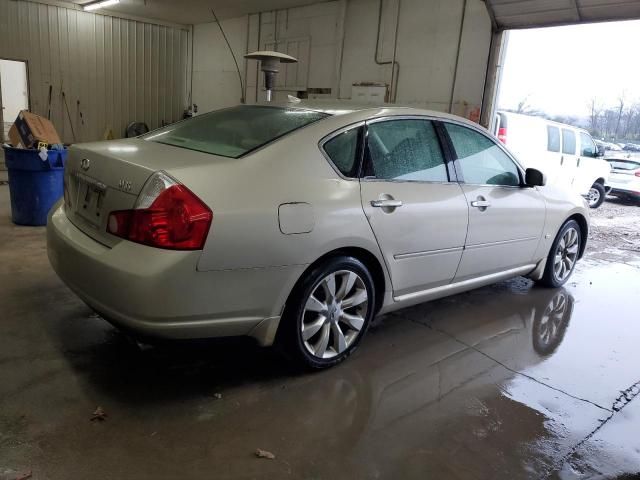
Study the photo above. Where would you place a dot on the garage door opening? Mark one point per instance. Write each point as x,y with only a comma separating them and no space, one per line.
569,104
14,93
582,75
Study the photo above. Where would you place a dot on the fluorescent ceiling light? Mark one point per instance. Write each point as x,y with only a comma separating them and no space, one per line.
97,5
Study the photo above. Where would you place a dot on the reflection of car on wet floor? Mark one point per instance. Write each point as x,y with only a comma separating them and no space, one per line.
519,332
429,384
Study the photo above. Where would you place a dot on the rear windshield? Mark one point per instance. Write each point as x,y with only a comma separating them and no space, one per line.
235,131
624,165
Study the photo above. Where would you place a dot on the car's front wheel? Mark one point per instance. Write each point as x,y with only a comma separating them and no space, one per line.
596,196
563,255
328,313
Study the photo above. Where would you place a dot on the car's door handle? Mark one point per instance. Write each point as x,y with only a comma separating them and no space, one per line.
481,203
386,203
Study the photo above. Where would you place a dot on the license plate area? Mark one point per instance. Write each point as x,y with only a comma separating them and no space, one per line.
90,200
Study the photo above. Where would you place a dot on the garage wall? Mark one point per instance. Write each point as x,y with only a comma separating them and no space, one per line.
215,78
335,43
119,70
312,34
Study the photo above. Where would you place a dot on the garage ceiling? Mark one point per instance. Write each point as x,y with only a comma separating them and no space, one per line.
188,12
505,13
541,13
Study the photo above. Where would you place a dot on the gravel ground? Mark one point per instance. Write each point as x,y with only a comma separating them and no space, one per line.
616,224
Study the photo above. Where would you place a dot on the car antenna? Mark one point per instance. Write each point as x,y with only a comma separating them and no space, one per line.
242,98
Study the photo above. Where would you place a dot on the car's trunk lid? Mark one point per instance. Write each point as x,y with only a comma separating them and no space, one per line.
103,177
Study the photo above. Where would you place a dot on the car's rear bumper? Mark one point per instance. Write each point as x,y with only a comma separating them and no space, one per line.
160,293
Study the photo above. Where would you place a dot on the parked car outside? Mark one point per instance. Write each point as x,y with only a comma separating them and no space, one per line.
607,146
612,147
567,155
625,178
295,225
631,147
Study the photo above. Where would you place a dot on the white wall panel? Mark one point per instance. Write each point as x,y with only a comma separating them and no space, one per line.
119,70
215,78
428,34
429,46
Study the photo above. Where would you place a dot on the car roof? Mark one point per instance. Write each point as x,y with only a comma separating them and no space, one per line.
361,110
537,118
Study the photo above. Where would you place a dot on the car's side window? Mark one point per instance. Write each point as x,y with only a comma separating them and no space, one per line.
482,162
553,139
342,150
407,150
588,146
568,142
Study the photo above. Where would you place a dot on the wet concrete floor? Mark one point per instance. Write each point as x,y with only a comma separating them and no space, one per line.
509,381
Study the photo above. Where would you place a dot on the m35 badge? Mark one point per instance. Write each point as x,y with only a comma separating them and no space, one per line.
124,185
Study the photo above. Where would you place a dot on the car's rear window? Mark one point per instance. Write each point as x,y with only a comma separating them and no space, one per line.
624,165
235,131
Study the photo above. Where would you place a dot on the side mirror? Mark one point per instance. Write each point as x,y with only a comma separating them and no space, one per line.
600,150
534,178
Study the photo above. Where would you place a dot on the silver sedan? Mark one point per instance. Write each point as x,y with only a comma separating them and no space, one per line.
297,224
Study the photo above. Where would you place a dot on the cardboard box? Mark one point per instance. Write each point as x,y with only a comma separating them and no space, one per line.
14,136
33,129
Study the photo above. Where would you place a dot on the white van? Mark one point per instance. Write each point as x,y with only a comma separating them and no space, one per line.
566,154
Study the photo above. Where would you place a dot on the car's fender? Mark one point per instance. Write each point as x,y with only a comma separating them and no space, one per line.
591,171
561,205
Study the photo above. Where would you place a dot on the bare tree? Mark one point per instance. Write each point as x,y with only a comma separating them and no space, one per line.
595,110
609,121
631,122
634,128
523,106
621,101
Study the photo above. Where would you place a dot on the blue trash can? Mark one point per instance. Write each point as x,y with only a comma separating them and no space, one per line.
34,185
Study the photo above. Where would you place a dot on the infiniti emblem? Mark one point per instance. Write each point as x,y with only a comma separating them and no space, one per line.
85,163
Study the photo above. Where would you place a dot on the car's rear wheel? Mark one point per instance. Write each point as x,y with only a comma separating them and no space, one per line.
596,195
328,313
563,255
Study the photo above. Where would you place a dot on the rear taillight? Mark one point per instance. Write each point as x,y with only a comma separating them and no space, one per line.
637,174
166,215
502,135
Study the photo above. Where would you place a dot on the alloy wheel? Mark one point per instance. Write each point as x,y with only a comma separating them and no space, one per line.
334,314
593,197
566,254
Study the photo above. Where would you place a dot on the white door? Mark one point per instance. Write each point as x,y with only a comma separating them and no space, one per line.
506,218
589,167
14,94
419,216
552,162
569,158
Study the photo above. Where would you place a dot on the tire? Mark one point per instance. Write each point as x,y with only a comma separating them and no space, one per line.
554,276
317,330
597,195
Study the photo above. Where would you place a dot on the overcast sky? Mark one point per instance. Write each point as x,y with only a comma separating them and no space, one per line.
560,69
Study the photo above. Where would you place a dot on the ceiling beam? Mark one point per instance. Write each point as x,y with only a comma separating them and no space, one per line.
492,15
579,15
